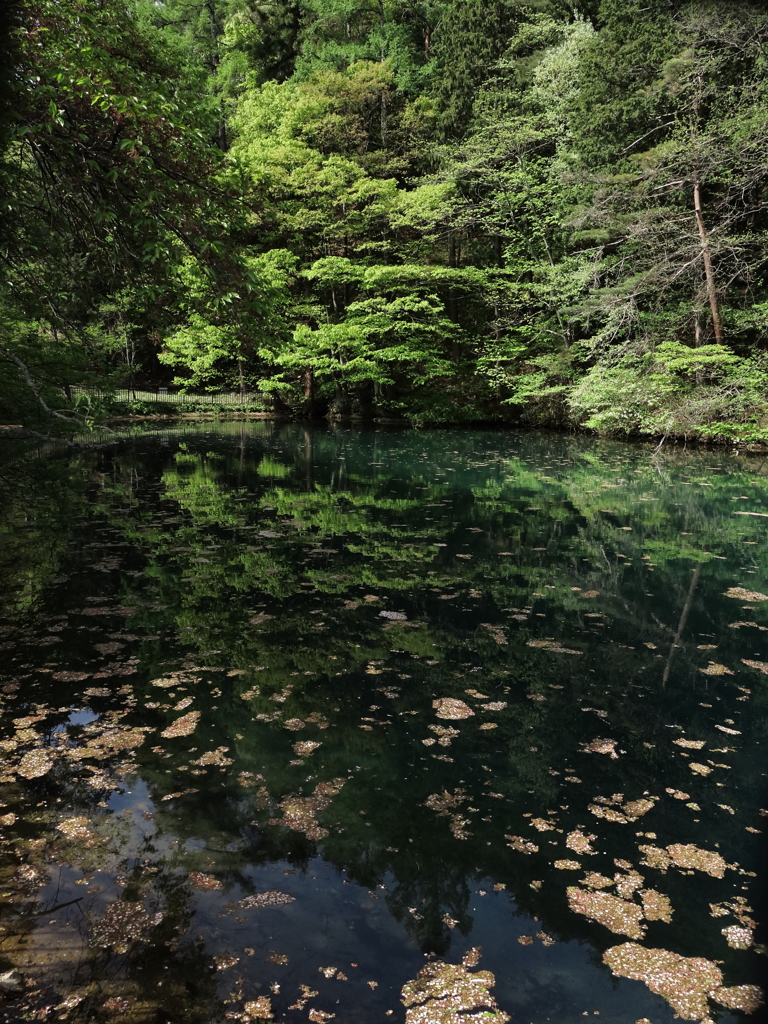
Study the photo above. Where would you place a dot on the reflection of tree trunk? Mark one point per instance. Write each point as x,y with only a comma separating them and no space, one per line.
708,268
308,460
682,622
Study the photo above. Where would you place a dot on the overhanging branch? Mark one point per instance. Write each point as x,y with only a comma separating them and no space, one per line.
35,387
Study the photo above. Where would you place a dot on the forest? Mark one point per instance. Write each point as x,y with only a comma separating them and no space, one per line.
541,212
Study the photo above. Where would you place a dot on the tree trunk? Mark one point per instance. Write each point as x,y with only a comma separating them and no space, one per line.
223,141
708,268
451,303
498,251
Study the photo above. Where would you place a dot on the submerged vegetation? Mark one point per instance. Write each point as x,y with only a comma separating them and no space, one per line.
541,211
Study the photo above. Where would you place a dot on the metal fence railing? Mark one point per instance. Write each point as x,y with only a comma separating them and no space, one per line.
166,397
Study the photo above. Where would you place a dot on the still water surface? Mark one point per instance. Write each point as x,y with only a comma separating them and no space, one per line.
290,714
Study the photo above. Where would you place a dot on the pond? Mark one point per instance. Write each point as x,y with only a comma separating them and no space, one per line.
424,726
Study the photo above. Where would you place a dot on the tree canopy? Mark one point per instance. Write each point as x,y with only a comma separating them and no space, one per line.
531,211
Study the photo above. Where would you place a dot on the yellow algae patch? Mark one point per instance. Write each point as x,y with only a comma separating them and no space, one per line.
299,811
261,1008
745,595
627,884
121,739
621,916
579,843
122,924
447,994
183,726
199,880
273,898
215,757
601,747
542,825
761,666
75,828
594,880
568,865
34,764
551,645
637,808
738,937
521,845
608,813
692,857
445,802
746,998
683,981
451,708
656,906
678,794
306,747
689,744
715,669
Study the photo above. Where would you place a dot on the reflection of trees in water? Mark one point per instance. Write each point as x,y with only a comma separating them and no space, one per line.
208,605
159,974
422,903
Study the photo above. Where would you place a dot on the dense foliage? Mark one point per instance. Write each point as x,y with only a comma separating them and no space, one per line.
439,210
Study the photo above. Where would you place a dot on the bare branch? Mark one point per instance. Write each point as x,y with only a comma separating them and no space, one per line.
35,387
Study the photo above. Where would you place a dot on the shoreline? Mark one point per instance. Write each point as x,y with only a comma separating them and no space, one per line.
20,432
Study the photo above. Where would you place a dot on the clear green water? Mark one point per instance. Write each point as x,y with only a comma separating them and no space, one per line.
295,586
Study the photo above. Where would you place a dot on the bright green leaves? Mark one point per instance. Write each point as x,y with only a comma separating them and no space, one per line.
675,389
202,349
111,179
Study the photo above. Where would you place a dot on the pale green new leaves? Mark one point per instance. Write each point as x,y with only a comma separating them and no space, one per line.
201,349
